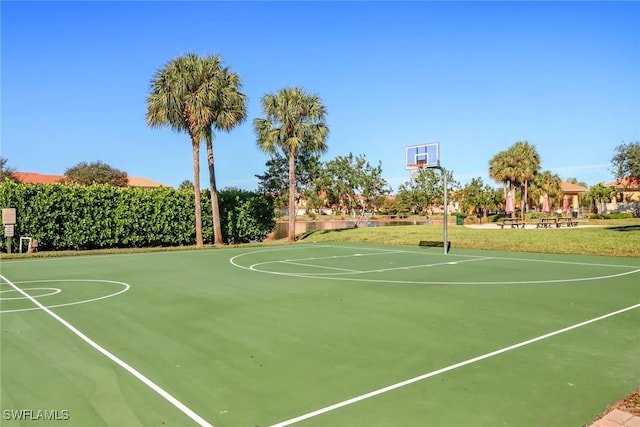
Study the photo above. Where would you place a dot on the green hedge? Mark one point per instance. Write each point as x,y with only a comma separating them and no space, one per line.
73,216
612,215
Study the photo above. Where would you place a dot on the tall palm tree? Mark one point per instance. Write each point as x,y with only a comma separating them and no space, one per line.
179,98
516,166
547,183
294,122
228,109
528,164
500,172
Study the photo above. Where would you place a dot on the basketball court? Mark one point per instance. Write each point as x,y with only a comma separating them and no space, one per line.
317,335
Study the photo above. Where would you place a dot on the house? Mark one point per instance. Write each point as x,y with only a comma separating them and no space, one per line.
625,190
136,181
573,193
38,178
625,195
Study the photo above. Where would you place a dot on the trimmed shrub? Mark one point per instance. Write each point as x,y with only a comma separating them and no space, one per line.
71,216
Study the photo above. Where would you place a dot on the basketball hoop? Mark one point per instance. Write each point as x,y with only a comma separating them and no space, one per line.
421,156
414,166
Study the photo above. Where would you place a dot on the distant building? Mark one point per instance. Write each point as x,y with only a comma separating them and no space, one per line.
625,195
573,193
39,178
625,190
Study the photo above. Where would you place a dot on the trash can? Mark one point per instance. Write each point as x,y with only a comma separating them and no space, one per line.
459,219
574,214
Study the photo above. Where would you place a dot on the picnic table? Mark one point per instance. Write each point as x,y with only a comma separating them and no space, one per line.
556,222
567,221
547,222
511,222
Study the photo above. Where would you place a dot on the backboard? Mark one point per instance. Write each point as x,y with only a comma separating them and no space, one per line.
422,156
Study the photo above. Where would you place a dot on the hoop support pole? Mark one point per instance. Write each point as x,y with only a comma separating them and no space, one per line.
445,214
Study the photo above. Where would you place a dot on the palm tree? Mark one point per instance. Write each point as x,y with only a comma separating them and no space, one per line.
528,164
227,111
500,172
547,183
179,98
294,122
516,166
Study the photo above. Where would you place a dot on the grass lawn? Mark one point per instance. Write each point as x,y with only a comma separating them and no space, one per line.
612,238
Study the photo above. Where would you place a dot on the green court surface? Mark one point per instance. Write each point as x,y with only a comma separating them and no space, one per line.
317,335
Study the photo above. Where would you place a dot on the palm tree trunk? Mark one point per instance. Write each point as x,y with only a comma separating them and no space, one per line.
195,142
292,197
215,210
512,190
525,208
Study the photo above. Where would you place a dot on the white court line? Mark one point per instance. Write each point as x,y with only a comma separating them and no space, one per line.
318,266
291,261
450,255
333,276
379,270
153,386
447,369
125,289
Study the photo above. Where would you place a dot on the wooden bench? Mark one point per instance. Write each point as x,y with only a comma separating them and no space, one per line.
567,221
511,222
547,223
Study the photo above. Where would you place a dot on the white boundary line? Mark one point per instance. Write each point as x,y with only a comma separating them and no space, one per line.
380,270
333,276
450,255
55,291
448,368
153,386
126,287
318,266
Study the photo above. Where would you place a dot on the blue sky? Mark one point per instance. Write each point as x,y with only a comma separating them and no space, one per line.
475,76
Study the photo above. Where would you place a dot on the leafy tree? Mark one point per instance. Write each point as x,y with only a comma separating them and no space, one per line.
477,195
6,172
96,173
626,162
185,95
352,183
391,206
186,185
597,197
275,180
295,121
424,190
515,167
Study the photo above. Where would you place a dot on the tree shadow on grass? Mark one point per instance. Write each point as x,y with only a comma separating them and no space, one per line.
625,228
306,234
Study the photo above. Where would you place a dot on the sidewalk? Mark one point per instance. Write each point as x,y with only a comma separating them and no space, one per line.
617,418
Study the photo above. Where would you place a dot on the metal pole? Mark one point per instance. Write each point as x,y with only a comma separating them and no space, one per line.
444,180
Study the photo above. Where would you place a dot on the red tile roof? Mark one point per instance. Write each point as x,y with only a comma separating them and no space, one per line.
39,178
624,183
568,187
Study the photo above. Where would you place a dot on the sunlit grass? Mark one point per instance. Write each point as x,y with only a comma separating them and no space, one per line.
622,239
